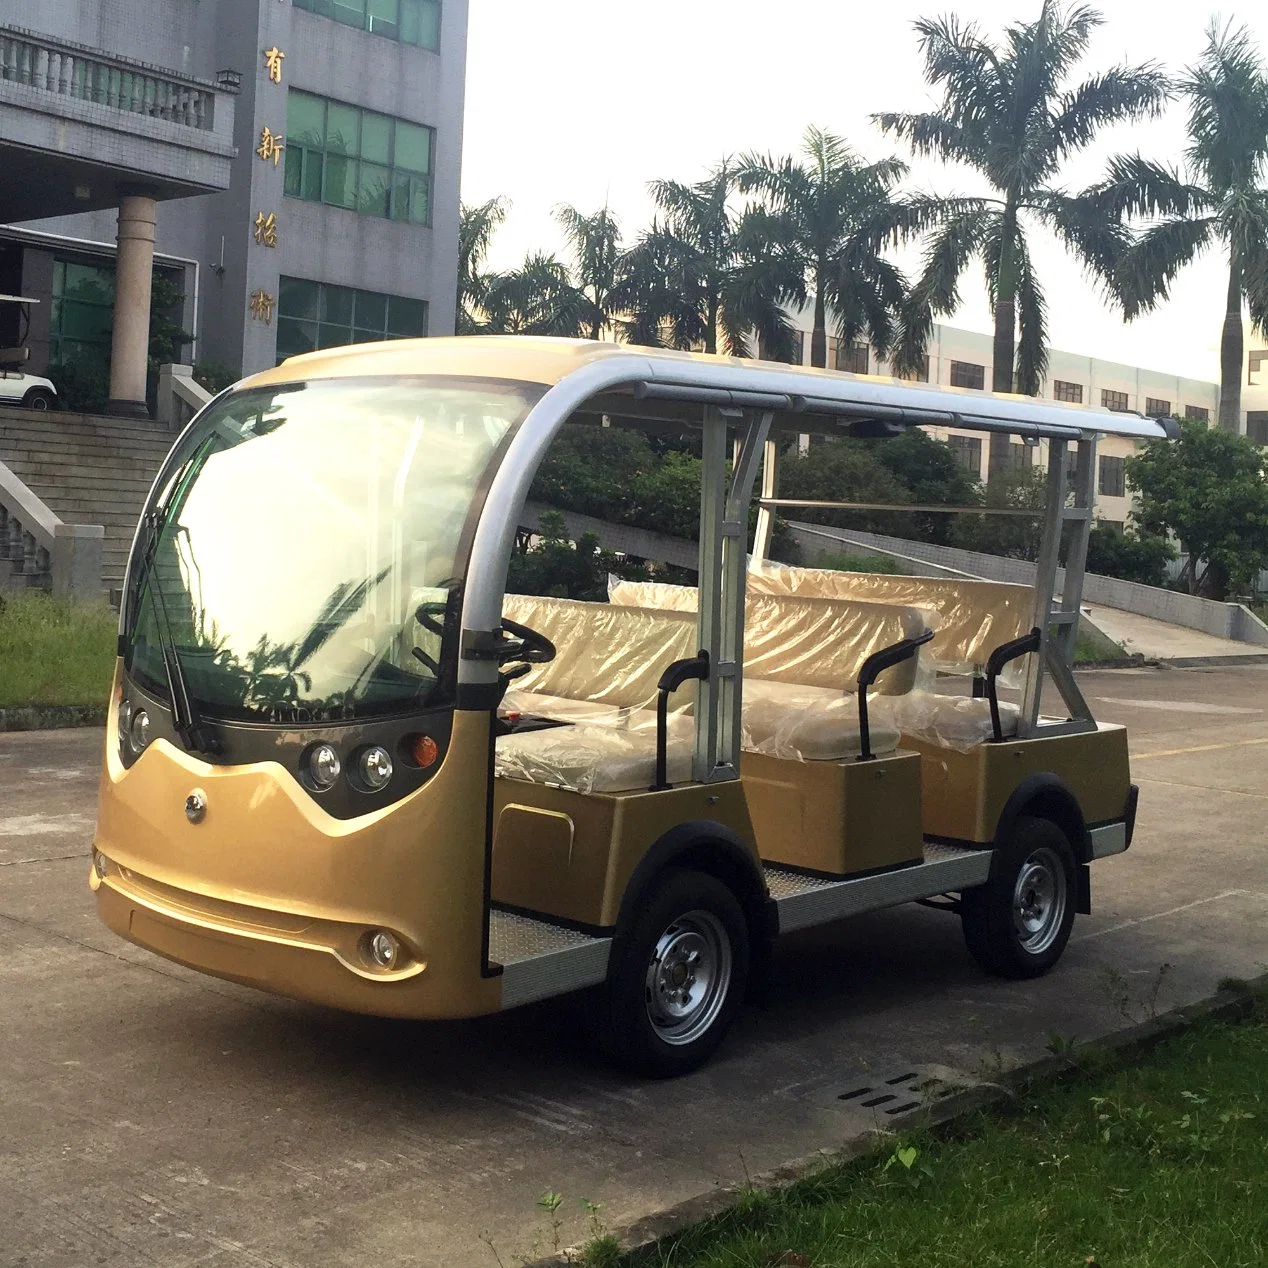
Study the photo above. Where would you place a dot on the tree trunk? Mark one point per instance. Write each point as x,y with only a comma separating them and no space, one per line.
1002,364
711,326
819,335
1231,352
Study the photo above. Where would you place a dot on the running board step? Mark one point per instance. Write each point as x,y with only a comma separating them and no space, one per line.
803,901
540,959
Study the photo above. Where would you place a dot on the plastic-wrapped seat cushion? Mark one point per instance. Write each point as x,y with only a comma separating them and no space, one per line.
809,724
538,704
590,757
955,722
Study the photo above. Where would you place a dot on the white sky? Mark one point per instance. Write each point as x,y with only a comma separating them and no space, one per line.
584,101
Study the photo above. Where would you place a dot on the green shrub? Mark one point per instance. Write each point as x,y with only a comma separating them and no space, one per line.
55,651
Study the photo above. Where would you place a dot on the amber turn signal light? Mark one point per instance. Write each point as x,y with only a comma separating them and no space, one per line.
424,751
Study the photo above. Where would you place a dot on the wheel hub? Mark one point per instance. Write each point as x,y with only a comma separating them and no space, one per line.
688,977
1039,901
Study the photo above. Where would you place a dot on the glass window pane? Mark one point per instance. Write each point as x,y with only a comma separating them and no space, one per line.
411,24
297,298
406,317
314,166
367,336
413,147
294,337
419,201
84,321
400,196
292,182
341,181
376,138
333,336
343,133
371,311
349,12
376,185
305,119
336,304
88,283
382,16
429,33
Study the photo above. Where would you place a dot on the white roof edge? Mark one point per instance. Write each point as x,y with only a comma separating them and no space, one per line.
857,391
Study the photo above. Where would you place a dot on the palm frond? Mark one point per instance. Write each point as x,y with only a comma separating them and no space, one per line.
1095,238
1134,186
1146,270
1255,282
1032,324
934,136
1123,93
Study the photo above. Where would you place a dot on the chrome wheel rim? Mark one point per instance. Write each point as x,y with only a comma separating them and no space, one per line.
1039,901
39,402
688,977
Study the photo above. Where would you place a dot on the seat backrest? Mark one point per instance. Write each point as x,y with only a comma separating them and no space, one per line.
816,642
973,617
610,654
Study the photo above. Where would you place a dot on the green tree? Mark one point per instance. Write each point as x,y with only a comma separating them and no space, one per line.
1013,536
538,298
595,242
829,219
1208,491
476,226
696,280
1008,113
593,470
1221,200
841,471
933,476
1130,555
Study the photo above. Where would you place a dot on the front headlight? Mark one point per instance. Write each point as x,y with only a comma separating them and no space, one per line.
375,767
139,731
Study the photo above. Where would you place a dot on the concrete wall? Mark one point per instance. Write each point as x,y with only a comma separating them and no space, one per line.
1223,620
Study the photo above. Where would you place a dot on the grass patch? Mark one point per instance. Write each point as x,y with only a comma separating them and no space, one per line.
1088,650
54,651
860,563
1158,1163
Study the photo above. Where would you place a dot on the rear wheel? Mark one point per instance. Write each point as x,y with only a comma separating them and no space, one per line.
1018,923
677,978
38,398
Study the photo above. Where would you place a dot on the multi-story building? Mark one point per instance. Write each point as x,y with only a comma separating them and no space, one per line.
292,165
962,358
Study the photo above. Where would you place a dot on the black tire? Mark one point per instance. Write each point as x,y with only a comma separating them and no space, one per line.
1018,923
39,398
684,912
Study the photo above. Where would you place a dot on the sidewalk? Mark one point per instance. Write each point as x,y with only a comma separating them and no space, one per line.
1159,640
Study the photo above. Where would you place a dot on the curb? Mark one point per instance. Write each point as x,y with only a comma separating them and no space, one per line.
1137,661
1224,1005
51,717
1199,662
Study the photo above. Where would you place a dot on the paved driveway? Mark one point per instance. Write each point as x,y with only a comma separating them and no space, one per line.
151,1115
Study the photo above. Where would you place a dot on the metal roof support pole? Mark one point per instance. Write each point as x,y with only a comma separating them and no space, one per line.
765,513
723,547
1045,586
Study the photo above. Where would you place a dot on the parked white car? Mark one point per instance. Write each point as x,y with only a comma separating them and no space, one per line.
26,390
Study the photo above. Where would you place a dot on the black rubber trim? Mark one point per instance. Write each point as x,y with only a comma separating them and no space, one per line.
487,968
995,663
873,666
1129,814
577,926
1083,890
1046,796
479,697
675,675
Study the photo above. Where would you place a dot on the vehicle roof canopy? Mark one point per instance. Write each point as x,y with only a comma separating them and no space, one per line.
625,381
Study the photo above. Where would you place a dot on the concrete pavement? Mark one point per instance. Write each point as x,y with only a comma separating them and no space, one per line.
151,1115
1160,640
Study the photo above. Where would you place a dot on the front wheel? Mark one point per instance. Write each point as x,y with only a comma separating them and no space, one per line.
1018,923
677,978
38,398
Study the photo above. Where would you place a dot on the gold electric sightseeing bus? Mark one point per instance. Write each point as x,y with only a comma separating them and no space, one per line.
344,765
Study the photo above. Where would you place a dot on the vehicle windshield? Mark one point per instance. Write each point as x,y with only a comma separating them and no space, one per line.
300,531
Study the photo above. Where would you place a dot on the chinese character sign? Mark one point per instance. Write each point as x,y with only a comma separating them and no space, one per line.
266,229
270,146
273,62
260,306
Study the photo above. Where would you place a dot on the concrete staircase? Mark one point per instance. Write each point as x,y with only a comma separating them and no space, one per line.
88,470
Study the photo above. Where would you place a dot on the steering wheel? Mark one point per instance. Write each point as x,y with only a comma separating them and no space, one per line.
527,646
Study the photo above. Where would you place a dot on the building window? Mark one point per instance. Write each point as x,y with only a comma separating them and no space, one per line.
854,358
1257,425
1021,457
354,158
82,314
919,375
1257,368
1063,391
410,21
799,347
831,357
1116,401
1112,482
968,453
1197,413
966,374
313,315
1156,408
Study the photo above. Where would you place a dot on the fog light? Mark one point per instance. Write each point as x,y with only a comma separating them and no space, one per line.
375,767
324,766
424,750
125,716
139,730
382,949
99,862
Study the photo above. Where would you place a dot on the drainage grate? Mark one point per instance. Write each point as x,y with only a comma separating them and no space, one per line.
898,1094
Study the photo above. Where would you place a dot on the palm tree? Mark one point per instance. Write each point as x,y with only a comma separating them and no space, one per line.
1224,202
476,225
538,298
697,279
595,241
830,218
1008,113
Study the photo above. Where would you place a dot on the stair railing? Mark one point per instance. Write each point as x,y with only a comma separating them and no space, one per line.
38,549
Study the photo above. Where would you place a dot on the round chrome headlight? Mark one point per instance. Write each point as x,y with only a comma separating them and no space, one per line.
139,730
375,767
125,716
324,766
